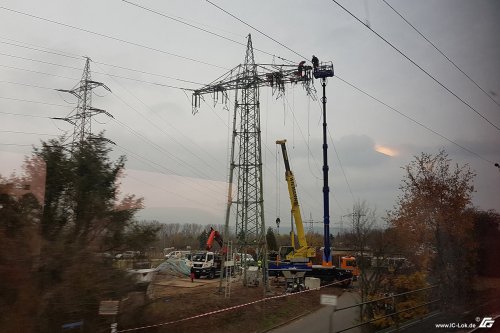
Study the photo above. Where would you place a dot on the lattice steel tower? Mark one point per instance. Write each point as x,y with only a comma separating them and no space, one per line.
81,116
246,152
250,225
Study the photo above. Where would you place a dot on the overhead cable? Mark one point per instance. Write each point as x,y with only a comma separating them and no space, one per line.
259,31
441,52
35,102
110,37
413,120
94,61
417,65
77,79
199,28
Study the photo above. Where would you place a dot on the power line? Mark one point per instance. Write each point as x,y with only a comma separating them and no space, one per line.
417,65
26,85
30,133
35,102
164,151
378,100
166,133
74,68
149,73
441,52
156,146
259,31
16,144
413,120
341,166
110,37
276,41
40,48
40,61
198,28
60,53
38,72
36,49
151,163
24,115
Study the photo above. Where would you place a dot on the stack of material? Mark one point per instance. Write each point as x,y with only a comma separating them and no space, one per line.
174,267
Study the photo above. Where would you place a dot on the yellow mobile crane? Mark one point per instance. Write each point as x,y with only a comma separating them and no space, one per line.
304,252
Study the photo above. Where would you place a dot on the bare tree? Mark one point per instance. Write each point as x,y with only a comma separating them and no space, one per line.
371,244
434,207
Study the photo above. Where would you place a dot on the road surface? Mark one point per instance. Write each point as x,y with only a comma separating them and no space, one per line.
318,321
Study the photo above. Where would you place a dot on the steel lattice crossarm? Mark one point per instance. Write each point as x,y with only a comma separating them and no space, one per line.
81,116
91,111
267,75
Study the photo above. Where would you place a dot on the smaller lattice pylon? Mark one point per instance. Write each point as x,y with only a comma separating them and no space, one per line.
81,116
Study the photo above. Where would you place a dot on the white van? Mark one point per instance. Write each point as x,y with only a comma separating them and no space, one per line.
177,254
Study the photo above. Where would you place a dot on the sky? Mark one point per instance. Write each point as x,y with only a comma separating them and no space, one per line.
179,162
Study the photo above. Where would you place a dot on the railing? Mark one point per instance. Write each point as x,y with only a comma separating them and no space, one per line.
394,312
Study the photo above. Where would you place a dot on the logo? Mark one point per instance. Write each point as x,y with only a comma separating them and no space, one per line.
487,322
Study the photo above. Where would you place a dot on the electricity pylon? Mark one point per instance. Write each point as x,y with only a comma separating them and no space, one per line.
246,152
81,116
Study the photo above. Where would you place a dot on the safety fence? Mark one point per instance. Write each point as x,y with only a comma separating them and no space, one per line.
394,308
231,308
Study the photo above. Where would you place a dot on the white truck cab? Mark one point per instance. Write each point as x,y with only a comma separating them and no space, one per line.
208,264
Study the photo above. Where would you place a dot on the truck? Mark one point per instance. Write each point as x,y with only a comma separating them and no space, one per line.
300,259
349,263
208,263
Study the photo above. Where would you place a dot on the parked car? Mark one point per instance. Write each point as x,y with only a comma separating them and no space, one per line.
128,255
177,254
241,257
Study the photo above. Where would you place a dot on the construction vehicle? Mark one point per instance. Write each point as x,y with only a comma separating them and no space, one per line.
349,263
303,250
292,259
209,263
214,235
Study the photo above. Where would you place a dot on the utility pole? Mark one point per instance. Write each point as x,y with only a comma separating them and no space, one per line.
81,117
323,71
246,152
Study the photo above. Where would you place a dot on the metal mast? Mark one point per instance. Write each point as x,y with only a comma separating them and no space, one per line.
246,153
250,224
81,117
323,72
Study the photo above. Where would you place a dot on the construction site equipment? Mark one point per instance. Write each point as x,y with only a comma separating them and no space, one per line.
209,264
294,280
246,153
174,267
312,283
324,70
229,267
213,235
349,263
297,261
304,251
252,277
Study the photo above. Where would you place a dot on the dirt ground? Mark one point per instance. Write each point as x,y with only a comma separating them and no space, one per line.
175,301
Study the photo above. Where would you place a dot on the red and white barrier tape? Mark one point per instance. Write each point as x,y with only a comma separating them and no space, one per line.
226,309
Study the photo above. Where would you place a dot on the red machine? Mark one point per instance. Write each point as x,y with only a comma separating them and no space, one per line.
214,235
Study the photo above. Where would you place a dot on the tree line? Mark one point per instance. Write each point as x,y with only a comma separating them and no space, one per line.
50,274
52,226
